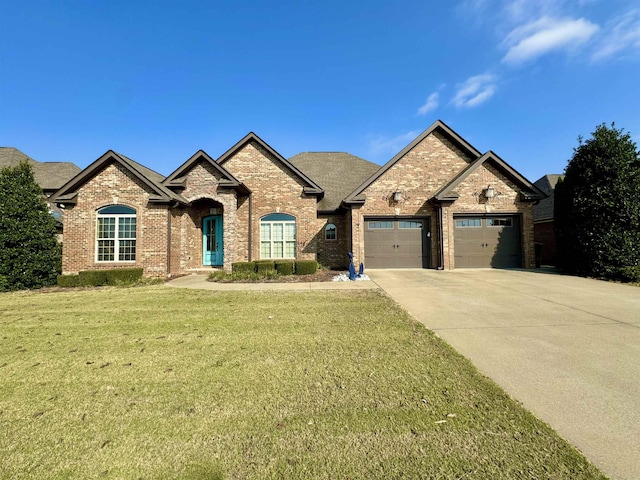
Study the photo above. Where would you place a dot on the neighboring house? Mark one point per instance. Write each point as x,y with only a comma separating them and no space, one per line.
543,226
50,176
439,203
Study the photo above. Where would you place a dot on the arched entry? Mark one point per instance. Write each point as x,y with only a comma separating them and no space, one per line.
212,247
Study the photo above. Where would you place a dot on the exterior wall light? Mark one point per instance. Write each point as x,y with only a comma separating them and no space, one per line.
397,196
489,192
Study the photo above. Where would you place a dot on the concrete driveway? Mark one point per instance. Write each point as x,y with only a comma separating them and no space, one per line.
568,348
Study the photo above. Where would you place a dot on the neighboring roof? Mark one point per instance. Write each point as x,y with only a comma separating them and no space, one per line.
68,192
338,173
309,186
544,210
48,175
356,196
529,191
176,179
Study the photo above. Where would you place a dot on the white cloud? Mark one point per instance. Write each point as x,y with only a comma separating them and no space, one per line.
383,144
620,34
546,35
431,104
475,91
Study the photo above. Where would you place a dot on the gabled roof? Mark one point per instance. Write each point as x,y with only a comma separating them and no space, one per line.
338,173
544,210
529,191
356,196
48,175
309,186
153,180
227,180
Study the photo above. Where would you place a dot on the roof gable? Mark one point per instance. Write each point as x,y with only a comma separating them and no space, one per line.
161,194
176,179
528,192
355,196
309,186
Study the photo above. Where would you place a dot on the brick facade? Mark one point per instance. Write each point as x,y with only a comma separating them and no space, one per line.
115,185
251,181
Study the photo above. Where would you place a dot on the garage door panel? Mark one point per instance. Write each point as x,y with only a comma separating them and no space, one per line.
488,241
404,245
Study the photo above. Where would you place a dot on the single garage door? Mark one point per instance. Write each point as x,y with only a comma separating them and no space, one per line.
487,241
396,243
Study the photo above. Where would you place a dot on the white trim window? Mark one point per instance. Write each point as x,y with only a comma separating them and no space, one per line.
277,236
116,234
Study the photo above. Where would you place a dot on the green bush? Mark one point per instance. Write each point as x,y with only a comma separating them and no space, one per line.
243,267
92,278
306,267
68,281
284,267
629,274
219,276
264,266
30,254
123,276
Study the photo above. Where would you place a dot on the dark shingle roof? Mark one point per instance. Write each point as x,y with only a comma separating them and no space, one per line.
544,210
338,173
49,175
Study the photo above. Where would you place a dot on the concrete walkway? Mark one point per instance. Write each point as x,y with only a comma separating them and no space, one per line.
200,282
568,348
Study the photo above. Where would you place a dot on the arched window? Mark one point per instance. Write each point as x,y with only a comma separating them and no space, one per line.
278,236
116,234
330,232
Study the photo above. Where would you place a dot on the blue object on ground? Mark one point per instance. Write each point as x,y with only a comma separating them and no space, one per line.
361,269
352,268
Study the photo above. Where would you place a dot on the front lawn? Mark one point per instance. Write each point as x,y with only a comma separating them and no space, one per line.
158,383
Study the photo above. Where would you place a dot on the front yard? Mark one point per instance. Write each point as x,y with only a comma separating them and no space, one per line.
157,383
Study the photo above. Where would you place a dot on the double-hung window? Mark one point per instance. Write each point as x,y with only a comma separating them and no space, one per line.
116,234
278,236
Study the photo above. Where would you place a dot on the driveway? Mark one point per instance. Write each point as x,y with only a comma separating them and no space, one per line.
568,348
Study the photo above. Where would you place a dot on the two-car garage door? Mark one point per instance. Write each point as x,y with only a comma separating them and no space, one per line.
487,241
480,241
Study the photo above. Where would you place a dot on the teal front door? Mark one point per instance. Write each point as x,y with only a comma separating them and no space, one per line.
212,253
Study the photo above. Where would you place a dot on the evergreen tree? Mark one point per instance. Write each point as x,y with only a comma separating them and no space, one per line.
29,251
597,206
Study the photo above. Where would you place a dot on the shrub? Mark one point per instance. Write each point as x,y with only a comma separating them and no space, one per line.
30,255
284,267
306,267
68,281
629,274
264,266
218,276
123,276
243,267
92,278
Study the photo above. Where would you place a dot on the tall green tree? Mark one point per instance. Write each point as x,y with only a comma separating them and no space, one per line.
597,206
29,251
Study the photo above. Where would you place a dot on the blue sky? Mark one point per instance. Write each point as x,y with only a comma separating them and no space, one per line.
158,80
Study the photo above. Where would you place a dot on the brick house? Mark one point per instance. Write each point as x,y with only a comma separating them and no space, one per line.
439,203
543,224
50,176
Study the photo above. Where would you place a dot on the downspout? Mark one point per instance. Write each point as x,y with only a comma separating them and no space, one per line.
441,238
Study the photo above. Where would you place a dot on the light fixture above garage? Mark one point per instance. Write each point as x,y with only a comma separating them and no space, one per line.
397,196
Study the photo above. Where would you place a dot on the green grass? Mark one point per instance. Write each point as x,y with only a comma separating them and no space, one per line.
157,383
